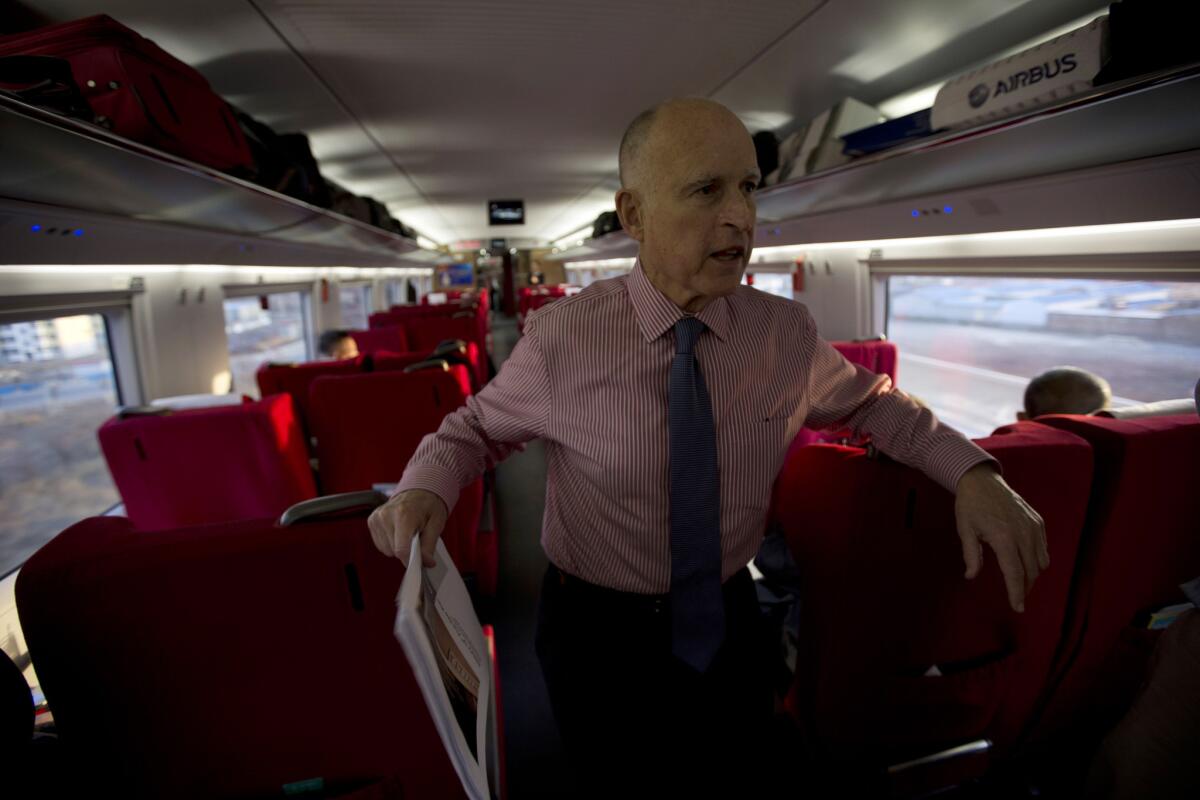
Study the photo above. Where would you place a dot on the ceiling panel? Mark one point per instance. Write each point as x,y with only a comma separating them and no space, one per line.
525,98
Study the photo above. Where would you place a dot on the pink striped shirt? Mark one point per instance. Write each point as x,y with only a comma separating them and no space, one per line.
590,378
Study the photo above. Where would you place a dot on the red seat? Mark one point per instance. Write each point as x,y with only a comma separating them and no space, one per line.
385,361
876,355
884,602
233,660
428,332
1142,540
209,464
392,339
367,428
399,315
879,357
294,379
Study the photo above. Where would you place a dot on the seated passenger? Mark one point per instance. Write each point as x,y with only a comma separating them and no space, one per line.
1065,390
338,345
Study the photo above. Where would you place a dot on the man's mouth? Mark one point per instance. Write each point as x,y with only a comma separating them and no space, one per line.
730,254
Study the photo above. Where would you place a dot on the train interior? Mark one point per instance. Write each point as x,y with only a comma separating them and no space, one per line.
271,244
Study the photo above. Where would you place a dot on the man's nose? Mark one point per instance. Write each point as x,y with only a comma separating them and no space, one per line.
739,210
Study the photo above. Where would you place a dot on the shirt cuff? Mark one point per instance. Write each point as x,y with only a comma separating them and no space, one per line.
953,458
432,478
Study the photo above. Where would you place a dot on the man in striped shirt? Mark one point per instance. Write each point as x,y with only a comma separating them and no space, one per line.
667,400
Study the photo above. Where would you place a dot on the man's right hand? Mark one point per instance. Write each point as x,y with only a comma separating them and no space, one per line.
403,516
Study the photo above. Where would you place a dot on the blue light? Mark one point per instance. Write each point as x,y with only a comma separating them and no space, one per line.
916,213
948,209
36,228
79,231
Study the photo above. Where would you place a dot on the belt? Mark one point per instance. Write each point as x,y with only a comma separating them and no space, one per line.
635,601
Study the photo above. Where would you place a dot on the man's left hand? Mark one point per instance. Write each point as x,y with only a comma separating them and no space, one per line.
988,510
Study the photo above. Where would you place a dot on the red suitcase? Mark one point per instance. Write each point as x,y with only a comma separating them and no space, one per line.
142,92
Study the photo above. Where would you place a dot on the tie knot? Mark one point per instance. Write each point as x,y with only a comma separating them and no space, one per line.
687,331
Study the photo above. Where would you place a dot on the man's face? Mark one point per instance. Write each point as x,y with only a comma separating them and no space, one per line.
695,219
346,347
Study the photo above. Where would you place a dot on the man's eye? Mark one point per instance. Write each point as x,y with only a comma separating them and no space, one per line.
751,186
707,189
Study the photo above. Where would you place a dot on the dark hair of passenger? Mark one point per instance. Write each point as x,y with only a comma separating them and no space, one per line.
1066,390
329,339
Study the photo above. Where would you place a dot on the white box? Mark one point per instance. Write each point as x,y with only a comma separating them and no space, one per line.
1043,74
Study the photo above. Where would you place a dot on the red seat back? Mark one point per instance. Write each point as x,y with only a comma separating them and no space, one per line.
385,361
294,380
1142,540
884,599
392,339
878,356
399,315
427,333
234,660
368,426
209,464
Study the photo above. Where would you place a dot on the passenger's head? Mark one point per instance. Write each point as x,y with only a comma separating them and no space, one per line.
338,345
688,175
1065,390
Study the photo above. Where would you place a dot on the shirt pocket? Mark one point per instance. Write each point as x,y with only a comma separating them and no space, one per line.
753,447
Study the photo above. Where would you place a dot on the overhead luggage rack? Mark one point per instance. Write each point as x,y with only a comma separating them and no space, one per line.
60,168
617,244
1142,118
1119,153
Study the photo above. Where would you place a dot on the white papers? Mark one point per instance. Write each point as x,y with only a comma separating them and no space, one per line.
441,636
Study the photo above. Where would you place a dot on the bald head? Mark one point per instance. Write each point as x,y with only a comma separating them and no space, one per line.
664,122
688,176
1066,390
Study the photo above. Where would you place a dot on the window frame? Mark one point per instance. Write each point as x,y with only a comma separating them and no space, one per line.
305,288
117,311
365,288
1177,267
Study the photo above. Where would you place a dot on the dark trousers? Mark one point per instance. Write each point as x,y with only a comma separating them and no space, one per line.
636,721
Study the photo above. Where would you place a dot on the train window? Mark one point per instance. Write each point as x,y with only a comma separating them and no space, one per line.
776,283
356,305
271,327
57,385
397,292
969,345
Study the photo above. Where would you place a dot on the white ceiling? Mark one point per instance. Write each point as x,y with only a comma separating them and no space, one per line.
436,106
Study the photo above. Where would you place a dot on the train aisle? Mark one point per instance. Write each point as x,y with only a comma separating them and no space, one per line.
536,766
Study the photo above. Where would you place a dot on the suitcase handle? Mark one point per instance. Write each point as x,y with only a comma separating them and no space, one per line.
320,506
50,84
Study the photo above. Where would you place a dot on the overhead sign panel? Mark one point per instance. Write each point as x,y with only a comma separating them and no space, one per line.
506,212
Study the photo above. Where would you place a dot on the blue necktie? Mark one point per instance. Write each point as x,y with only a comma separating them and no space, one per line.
697,609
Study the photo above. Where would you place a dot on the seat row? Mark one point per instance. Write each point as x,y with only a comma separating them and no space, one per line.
899,656
531,298
210,465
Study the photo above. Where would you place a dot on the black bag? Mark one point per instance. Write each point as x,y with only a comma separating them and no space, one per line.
44,81
606,223
1148,35
382,218
284,162
766,147
348,204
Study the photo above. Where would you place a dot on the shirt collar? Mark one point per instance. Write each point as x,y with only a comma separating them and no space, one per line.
656,314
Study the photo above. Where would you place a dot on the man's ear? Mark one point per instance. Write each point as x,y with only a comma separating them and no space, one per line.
629,209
